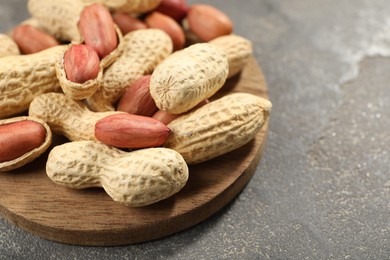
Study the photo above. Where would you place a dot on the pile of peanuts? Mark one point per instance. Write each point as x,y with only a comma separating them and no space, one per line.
129,84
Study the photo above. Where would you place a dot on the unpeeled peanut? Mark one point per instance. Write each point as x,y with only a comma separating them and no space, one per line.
238,50
98,30
131,131
22,140
58,17
141,52
188,77
8,46
31,40
127,6
66,116
218,127
170,26
19,138
137,99
207,22
136,178
23,77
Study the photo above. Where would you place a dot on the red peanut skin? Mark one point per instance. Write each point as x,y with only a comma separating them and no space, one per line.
170,26
177,9
98,30
207,22
131,131
128,23
32,40
81,63
165,117
137,99
19,138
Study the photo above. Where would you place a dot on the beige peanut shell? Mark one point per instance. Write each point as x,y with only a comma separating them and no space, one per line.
237,49
141,52
136,178
7,46
127,6
31,155
218,127
188,77
23,77
66,116
58,17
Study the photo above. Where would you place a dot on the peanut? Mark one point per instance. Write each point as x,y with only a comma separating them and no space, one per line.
22,139
31,40
187,77
141,52
58,17
166,118
97,29
24,77
170,26
135,179
66,116
131,131
19,138
137,99
8,46
177,9
81,63
218,127
128,23
79,71
127,6
207,22
237,49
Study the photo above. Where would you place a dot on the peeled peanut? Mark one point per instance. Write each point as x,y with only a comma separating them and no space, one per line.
131,131
66,116
169,25
188,77
22,140
8,46
218,127
81,63
128,23
135,179
238,50
19,138
97,28
79,71
177,9
31,40
165,117
141,52
137,99
23,77
207,22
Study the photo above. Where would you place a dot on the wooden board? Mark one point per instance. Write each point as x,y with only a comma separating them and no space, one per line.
89,217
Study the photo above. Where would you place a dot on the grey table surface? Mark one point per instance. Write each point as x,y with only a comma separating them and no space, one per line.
322,188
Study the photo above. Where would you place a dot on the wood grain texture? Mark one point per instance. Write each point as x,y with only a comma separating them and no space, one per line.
89,217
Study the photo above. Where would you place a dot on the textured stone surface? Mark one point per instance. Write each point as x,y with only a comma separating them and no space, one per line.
322,189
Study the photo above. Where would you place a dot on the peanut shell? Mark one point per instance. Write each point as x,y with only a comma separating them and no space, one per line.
188,77
218,127
136,178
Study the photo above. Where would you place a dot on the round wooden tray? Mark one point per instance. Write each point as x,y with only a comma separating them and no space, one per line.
89,217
